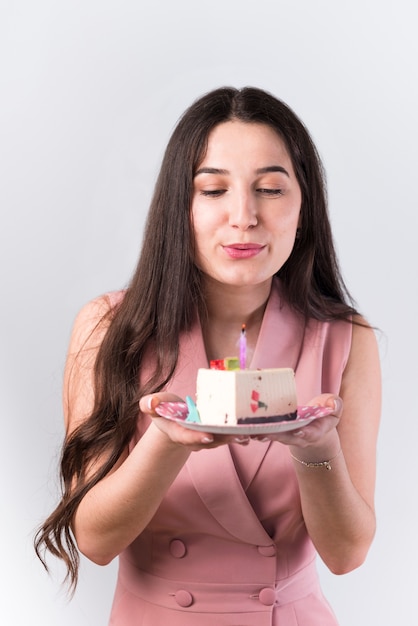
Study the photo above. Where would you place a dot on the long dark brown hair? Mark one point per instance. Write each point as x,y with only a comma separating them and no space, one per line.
165,293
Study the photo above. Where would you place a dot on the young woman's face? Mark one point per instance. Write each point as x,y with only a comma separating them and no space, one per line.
246,205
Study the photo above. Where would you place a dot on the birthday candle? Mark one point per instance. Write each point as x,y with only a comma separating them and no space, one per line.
242,348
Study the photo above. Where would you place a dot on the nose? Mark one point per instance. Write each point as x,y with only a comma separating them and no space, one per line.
243,211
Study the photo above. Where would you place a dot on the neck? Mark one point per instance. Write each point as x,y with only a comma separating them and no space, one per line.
232,305
227,309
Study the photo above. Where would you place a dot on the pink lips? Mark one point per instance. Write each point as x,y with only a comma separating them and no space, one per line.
243,250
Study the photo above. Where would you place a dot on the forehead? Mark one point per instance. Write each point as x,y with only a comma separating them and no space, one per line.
237,141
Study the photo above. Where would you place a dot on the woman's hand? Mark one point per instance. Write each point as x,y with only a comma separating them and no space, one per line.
178,434
316,434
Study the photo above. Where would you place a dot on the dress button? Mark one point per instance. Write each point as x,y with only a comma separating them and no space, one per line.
177,549
267,596
183,598
267,550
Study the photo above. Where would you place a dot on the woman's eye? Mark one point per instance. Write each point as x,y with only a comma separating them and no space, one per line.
212,192
270,192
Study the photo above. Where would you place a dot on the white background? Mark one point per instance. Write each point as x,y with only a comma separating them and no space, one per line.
90,91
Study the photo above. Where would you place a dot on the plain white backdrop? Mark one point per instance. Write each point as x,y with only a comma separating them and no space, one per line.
90,91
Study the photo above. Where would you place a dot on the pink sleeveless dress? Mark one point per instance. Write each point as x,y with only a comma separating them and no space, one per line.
228,545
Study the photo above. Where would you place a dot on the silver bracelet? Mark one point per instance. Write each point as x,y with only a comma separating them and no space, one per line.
326,464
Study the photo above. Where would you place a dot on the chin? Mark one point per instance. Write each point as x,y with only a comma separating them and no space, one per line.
243,280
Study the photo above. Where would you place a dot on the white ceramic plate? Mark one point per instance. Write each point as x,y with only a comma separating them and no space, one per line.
177,412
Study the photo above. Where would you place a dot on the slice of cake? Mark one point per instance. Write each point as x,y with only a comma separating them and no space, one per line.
230,397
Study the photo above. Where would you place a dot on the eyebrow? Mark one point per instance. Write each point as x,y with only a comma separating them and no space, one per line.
211,170
261,170
272,168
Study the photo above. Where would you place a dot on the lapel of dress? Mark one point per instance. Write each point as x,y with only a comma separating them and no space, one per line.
215,478
213,471
281,335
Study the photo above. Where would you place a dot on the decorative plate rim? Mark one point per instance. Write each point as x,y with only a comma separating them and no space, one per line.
306,415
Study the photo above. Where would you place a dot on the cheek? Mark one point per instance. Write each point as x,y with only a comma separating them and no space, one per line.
285,226
205,222
201,230
198,229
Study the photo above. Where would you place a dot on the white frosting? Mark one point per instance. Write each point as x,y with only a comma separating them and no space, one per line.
225,396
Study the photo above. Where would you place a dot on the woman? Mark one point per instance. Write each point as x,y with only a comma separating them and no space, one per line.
211,529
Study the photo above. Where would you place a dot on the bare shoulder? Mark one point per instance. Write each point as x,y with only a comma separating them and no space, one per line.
364,348
361,394
361,377
91,323
89,329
